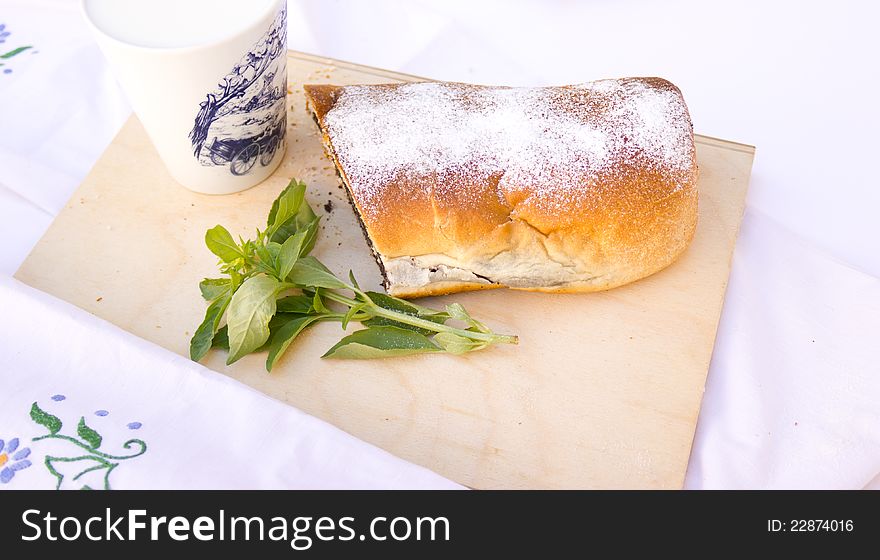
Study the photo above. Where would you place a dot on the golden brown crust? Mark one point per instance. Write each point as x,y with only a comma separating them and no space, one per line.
440,289
599,230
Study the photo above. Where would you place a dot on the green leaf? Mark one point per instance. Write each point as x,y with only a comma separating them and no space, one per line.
221,339
288,254
274,250
308,271
282,337
408,307
300,303
212,288
286,205
251,308
304,220
277,321
267,261
203,338
402,306
352,311
457,311
381,342
249,249
43,418
310,226
220,242
457,344
88,435
318,302
278,258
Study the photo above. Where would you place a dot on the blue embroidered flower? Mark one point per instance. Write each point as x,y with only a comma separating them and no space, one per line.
3,33
12,459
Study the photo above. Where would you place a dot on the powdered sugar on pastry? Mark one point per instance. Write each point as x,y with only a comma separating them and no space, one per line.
553,141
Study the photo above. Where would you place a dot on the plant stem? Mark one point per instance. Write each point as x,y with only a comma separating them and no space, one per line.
92,450
419,322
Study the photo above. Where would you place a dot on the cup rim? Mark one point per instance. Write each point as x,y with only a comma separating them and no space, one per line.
272,8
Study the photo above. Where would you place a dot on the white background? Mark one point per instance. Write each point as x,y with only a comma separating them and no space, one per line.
793,398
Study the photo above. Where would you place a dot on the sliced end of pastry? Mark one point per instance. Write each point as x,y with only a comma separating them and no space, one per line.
562,189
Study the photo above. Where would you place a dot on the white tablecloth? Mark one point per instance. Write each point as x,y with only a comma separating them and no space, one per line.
162,421
794,383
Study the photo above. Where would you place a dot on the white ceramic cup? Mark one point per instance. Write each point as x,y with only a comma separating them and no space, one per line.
208,81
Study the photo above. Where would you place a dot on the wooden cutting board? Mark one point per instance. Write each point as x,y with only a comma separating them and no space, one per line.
602,392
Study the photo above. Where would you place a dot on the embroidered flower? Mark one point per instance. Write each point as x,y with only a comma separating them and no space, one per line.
3,33
12,459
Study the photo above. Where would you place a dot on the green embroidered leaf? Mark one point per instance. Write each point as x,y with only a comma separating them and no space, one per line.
381,342
282,337
43,418
248,315
15,51
203,338
88,435
308,271
220,242
212,288
456,344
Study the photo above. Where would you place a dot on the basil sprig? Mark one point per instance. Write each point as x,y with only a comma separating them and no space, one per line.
273,290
